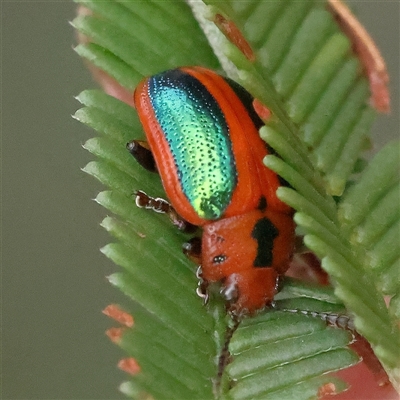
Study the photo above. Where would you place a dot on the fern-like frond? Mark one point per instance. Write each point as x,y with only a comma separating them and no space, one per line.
128,41
173,330
371,213
160,279
299,94
267,360
307,75
312,79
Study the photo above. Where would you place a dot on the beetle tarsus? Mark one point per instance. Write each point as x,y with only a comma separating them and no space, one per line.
159,205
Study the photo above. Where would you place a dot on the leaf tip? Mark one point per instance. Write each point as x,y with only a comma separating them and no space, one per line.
327,389
115,334
367,52
234,35
129,365
115,312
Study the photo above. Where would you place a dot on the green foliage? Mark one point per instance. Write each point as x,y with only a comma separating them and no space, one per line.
370,214
268,360
333,152
173,332
310,81
130,41
314,86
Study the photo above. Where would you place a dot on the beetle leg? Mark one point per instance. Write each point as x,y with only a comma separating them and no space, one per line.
192,249
162,206
202,286
230,292
142,153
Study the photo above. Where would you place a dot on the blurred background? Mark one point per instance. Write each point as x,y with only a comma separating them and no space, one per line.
53,275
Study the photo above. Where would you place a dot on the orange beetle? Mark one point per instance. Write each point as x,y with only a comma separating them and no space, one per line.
203,139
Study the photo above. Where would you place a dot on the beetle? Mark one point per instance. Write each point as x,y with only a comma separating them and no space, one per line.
202,138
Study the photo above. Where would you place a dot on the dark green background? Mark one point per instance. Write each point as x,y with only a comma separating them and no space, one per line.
53,282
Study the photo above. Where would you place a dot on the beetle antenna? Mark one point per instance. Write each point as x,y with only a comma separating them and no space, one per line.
340,320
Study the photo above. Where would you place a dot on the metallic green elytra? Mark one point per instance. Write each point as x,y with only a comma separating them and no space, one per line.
198,137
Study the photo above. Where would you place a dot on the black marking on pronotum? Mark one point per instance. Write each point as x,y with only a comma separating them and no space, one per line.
264,232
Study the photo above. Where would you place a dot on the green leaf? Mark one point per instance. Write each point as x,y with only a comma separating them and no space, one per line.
129,41
332,141
371,213
267,357
311,80
165,290
318,96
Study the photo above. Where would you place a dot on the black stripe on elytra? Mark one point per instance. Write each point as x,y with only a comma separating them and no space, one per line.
284,182
262,204
247,100
271,151
264,232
